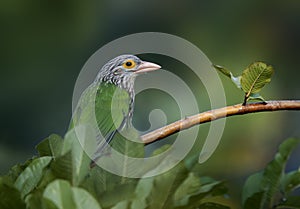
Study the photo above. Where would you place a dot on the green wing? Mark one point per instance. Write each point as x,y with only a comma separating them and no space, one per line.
111,108
103,105
106,107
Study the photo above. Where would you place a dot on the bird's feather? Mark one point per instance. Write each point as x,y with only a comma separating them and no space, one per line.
106,103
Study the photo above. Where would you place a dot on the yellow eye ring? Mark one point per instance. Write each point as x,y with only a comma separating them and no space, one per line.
128,64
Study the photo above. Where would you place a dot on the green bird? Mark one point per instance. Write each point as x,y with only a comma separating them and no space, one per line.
110,99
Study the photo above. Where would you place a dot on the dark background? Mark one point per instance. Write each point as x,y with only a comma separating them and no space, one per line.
44,45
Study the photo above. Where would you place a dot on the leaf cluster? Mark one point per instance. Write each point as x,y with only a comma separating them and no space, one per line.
273,187
60,178
252,80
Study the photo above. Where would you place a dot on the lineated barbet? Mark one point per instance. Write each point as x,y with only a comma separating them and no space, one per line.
111,98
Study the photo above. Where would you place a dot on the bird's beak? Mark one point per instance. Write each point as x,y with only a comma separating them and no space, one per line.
147,67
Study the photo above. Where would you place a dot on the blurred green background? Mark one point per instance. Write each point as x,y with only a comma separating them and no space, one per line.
44,44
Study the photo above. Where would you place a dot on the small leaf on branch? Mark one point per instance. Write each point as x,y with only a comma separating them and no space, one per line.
255,96
223,70
235,80
255,77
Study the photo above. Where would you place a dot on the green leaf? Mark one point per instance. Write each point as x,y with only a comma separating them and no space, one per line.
59,192
62,167
252,186
255,96
121,205
108,188
48,177
188,187
255,76
64,196
142,191
291,181
223,70
203,196
10,197
161,149
94,182
206,190
274,171
191,161
262,188
255,201
165,185
129,149
73,164
80,160
32,175
156,165
51,146
35,200
235,80
159,191
16,170
212,205
84,200
47,204
292,202
120,193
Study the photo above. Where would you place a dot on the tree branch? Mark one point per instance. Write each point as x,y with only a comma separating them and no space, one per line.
211,115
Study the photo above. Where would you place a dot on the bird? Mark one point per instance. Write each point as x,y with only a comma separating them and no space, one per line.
110,97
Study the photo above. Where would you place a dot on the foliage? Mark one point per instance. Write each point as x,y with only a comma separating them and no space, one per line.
60,178
272,187
252,80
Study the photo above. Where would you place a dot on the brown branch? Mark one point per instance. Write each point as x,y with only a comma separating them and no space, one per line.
211,115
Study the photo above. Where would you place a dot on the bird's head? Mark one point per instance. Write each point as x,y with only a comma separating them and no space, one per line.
123,69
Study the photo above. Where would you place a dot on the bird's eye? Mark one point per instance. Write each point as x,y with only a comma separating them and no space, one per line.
128,64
